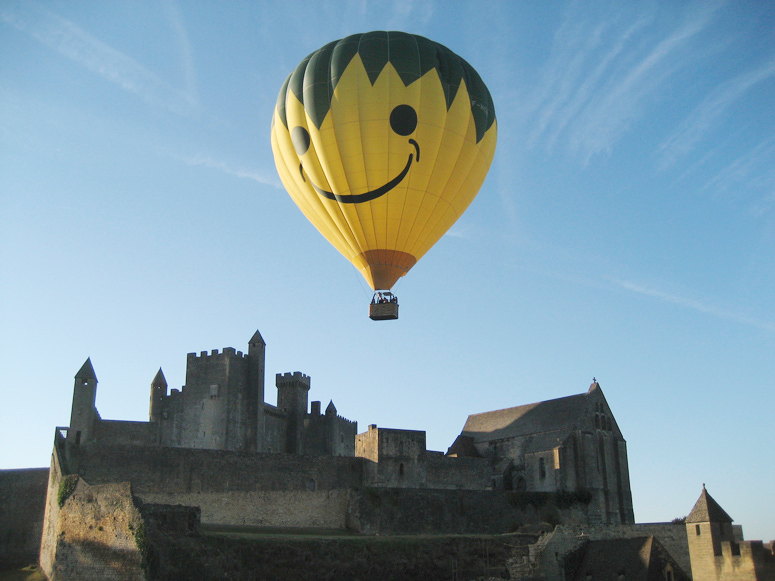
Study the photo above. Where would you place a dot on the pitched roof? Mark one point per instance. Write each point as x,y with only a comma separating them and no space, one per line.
463,446
707,510
256,339
562,414
86,371
635,559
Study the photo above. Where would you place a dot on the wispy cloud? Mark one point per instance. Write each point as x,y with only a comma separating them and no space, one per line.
73,42
709,112
696,305
750,176
185,48
240,172
601,74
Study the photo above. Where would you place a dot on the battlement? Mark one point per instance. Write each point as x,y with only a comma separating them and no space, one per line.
215,353
345,420
295,379
747,550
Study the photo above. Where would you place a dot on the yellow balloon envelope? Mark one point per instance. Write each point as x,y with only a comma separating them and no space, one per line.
383,140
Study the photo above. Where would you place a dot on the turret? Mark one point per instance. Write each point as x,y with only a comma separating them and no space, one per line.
292,394
83,411
256,359
158,393
707,526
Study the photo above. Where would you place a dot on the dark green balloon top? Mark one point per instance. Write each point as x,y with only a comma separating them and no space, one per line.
315,78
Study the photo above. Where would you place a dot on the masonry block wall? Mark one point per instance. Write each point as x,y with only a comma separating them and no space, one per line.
718,553
89,532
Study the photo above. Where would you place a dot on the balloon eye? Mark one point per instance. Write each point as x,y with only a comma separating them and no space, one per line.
300,138
403,120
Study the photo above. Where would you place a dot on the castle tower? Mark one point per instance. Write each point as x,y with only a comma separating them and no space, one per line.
332,430
256,366
707,526
83,411
292,394
158,393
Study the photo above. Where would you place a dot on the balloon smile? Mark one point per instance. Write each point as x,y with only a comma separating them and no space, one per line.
373,194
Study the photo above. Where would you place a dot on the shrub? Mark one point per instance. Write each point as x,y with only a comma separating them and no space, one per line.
141,539
66,488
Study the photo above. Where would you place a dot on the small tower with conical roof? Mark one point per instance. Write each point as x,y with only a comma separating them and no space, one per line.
707,526
158,393
256,363
83,412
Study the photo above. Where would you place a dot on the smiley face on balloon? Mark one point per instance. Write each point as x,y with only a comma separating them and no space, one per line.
383,140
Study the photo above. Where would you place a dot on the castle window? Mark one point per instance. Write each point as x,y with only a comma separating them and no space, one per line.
311,484
541,468
214,389
697,530
401,469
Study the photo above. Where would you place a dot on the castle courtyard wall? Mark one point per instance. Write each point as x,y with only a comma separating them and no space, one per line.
22,504
399,511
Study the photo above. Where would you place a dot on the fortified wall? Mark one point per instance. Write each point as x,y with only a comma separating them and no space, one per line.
216,445
22,503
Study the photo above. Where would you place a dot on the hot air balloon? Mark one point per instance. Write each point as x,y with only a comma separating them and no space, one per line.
383,140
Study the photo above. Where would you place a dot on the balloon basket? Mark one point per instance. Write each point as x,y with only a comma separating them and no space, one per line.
383,307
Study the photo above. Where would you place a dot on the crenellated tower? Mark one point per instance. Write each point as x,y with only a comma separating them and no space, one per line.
292,394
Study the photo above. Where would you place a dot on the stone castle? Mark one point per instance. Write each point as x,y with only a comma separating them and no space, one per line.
221,407
569,445
214,454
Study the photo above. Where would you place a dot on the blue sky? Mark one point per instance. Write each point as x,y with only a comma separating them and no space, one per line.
626,229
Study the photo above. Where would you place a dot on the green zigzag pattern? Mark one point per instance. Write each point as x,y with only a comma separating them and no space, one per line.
315,78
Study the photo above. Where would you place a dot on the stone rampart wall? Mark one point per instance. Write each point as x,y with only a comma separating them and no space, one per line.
294,508
426,511
125,433
22,502
182,470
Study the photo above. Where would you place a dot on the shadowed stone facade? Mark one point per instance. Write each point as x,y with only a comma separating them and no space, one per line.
568,444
